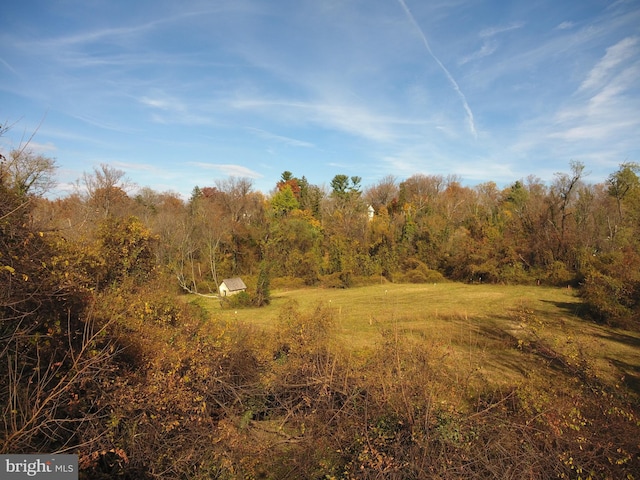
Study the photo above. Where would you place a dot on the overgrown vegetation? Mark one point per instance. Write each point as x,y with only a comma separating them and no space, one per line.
103,355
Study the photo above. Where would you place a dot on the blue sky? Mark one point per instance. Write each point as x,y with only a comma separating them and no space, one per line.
179,94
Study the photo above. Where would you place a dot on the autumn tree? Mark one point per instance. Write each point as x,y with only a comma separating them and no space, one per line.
611,278
344,219
26,172
105,191
624,187
126,248
311,197
24,251
422,230
292,246
164,217
244,210
199,237
561,199
623,183
287,180
50,349
383,235
284,201
420,191
384,193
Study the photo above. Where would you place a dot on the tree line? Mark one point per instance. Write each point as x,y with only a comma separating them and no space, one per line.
567,233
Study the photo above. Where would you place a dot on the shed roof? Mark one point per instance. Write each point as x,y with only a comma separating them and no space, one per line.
234,284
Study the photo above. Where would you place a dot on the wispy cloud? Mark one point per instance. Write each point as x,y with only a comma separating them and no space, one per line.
487,48
615,55
161,103
544,52
493,31
105,125
346,117
566,25
170,110
599,122
136,167
281,138
127,32
456,87
365,88
44,148
7,66
602,107
68,136
228,169
590,131
91,36
489,43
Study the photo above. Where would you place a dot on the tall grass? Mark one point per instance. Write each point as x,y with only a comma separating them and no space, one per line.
479,324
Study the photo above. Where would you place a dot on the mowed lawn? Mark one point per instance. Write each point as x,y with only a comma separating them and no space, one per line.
481,328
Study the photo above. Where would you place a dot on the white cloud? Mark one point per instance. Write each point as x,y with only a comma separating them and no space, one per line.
493,31
612,94
137,167
161,103
105,125
487,48
489,43
602,108
347,117
43,148
615,55
170,110
228,169
280,138
591,131
566,25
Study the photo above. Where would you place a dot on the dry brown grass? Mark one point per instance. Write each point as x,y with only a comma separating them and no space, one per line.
387,381
477,325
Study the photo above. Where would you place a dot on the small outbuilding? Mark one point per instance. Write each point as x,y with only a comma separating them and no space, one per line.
231,286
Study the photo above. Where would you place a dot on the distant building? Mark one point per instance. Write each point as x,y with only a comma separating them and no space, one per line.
231,286
371,212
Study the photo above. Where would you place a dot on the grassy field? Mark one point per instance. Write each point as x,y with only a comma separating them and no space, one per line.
481,328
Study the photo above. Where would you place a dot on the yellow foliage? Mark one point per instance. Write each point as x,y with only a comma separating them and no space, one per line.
9,269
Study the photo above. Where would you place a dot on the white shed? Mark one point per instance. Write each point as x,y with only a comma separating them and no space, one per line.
231,286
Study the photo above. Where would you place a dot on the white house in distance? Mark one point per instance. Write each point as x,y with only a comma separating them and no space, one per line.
231,286
371,212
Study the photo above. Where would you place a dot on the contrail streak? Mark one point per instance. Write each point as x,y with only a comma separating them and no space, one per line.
456,87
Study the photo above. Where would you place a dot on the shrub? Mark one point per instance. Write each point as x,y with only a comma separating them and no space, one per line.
337,280
611,287
416,271
283,283
558,274
604,298
238,300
